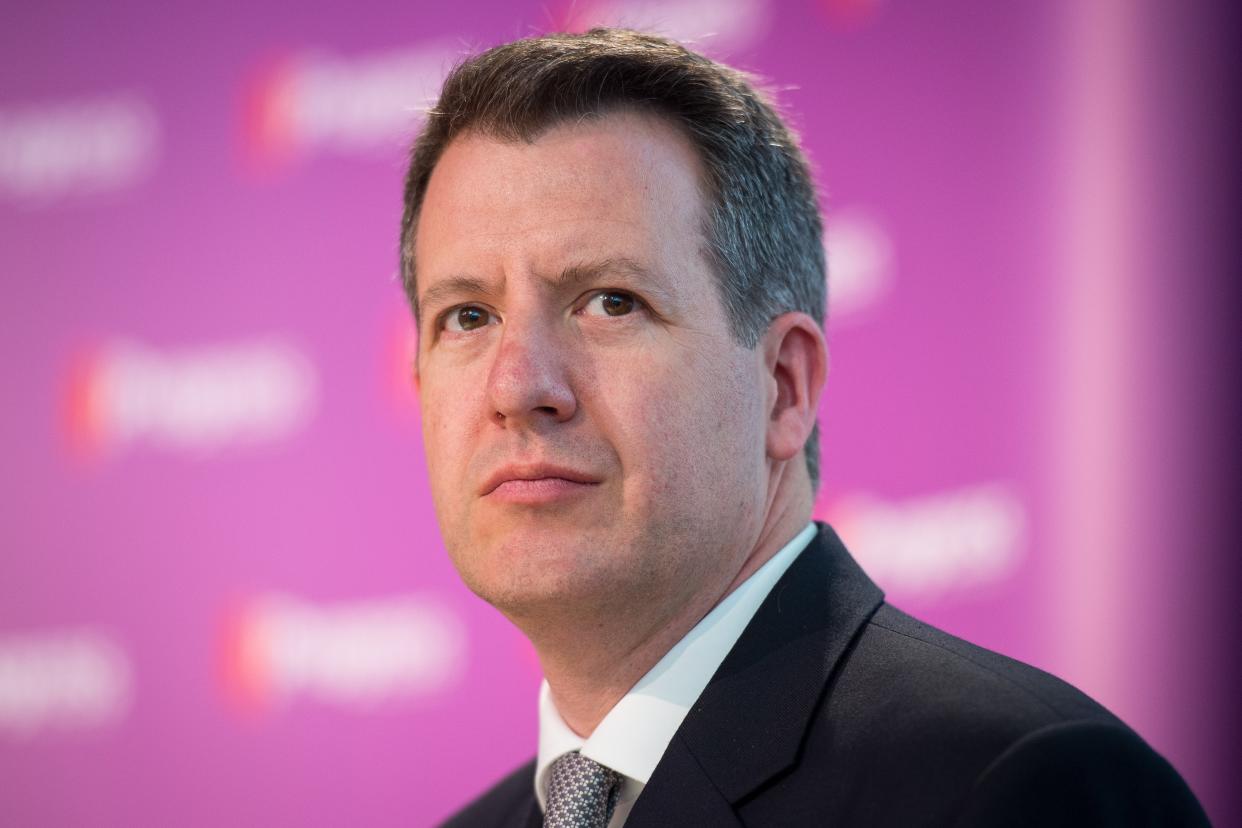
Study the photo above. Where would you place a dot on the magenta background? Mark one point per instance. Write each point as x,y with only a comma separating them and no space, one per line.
954,124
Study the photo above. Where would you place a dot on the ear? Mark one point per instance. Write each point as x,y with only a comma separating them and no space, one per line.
796,361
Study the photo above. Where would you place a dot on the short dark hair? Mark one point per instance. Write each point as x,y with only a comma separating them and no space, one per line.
763,234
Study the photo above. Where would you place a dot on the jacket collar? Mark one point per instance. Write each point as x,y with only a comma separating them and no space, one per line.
748,724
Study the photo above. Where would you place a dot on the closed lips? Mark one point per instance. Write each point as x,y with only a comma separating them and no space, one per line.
539,472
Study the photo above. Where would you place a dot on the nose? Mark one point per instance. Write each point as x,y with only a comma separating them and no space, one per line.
529,384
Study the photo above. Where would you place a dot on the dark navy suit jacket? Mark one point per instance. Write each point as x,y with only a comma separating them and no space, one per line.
836,709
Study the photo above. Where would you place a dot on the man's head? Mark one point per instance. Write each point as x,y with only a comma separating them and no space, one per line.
762,231
613,250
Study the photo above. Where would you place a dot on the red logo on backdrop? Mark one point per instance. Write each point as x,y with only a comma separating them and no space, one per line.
850,12
193,401
82,417
276,648
573,16
708,25
242,665
269,127
400,355
313,102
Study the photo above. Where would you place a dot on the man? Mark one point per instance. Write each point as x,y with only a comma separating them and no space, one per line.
613,251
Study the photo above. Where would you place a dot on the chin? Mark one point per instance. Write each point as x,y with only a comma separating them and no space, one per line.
527,574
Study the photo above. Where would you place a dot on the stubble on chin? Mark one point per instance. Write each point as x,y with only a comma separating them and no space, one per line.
632,585
524,574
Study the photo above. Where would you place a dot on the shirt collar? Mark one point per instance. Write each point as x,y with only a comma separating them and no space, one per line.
635,733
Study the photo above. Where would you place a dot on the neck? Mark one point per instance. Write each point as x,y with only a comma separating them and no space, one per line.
591,662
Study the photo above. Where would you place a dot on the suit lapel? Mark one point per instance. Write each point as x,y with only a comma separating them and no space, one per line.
680,793
748,724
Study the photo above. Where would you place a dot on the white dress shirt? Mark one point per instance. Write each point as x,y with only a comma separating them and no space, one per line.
635,733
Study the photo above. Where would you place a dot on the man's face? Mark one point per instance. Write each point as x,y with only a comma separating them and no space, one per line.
594,434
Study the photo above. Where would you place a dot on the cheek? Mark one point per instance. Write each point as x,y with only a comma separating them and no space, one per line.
681,422
446,411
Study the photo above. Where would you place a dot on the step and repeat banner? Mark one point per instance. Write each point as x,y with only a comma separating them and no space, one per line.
223,596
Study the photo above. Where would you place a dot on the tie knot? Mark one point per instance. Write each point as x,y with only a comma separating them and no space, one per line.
581,793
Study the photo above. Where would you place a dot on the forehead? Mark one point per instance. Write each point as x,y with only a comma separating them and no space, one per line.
626,184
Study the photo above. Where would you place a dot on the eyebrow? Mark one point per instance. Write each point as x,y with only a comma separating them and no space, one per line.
587,271
453,286
573,274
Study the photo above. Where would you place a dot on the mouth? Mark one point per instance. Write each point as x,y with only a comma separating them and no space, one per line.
533,484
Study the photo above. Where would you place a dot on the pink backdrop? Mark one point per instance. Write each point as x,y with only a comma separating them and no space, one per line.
223,596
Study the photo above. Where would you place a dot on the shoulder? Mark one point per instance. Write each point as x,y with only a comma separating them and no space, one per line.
917,721
1081,773
501,805
944,676
913,706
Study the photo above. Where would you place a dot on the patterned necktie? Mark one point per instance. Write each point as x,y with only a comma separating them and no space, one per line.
581,793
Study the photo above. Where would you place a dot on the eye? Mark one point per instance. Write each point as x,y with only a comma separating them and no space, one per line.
468,318
611,303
